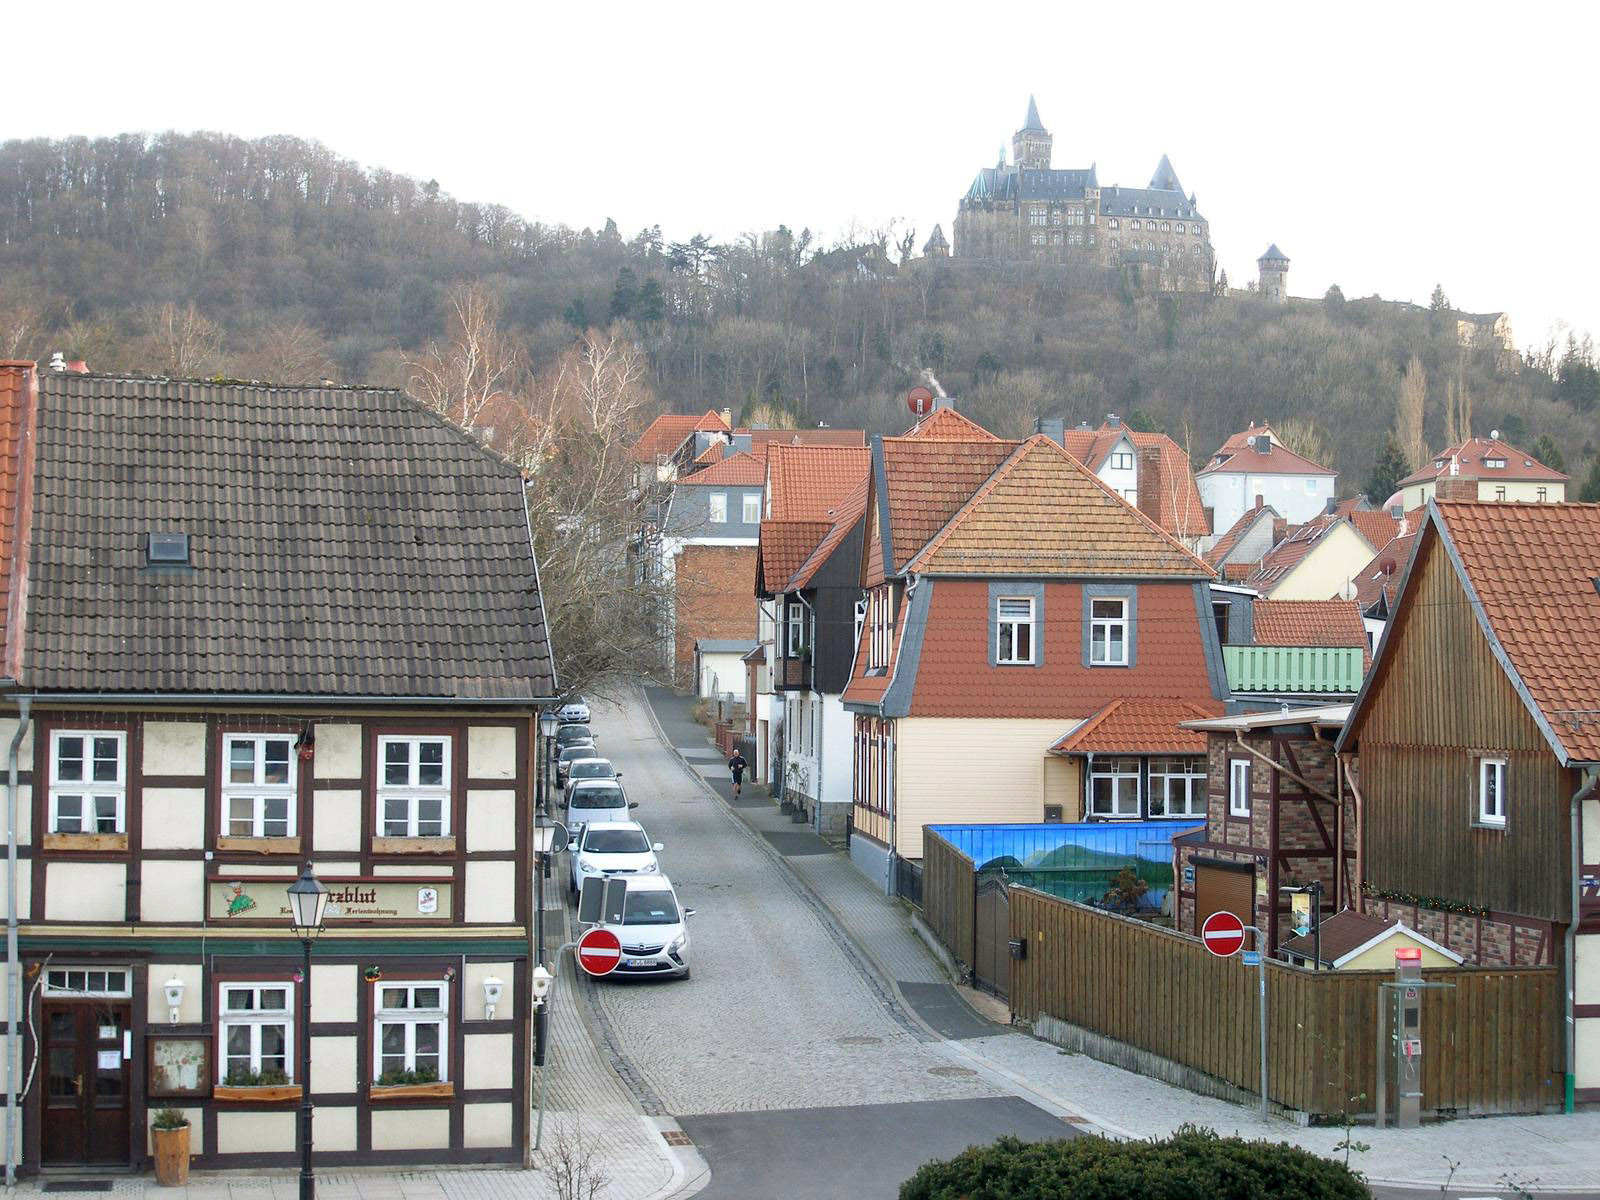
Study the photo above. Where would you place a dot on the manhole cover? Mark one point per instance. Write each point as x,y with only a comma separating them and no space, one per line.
951,1071
676,1137
859,1039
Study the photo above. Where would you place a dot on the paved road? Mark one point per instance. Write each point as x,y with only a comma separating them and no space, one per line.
785,1061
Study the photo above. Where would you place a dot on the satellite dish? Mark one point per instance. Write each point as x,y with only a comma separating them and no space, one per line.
920,401
1387,566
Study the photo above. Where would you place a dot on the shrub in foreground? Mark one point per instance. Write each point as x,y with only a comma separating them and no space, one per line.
1192,1164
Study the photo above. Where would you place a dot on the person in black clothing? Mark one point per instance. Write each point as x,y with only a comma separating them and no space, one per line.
737,766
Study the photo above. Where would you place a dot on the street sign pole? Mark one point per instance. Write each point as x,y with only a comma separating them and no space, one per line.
1222,934
1261,981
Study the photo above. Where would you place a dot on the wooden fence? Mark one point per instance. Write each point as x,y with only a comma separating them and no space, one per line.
949,895
1492,1043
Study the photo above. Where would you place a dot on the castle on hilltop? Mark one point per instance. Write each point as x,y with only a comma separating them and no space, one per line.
1029,211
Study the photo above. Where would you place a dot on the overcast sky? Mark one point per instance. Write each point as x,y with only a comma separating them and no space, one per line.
1384,147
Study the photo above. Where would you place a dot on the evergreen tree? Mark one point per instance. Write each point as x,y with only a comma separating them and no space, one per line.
1547,452
1387,471
1591,486
576,314
652,304
624,296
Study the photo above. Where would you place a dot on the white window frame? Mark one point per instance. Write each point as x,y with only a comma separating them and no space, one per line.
1238,787
255,1018
749,501
88,790
1492,811
411,1017
1495,464
1015,623
58,981
861,618
412,791
258,790
795,629
1189,769
1118,770
717,508
1122,460
1101,628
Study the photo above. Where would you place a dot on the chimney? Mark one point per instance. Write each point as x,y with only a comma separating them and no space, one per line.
1456,487
77,366
1149,483
1260,501
727,417
58,361
1331,507
1113,421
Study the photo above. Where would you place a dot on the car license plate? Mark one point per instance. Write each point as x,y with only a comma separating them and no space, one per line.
637,962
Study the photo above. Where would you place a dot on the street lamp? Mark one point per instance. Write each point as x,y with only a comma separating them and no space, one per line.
548,724
308,900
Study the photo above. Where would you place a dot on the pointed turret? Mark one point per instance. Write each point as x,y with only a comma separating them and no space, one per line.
1030,145
1033,121
1274,279
1165,179
936,246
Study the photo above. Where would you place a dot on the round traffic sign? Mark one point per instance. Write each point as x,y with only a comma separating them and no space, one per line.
599,952
1223,934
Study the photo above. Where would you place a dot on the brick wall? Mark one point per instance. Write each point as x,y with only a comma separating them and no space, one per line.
1500,940
715,598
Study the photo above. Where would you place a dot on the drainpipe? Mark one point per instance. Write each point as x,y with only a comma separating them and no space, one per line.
1569,1096
13,968
1361,836
822,724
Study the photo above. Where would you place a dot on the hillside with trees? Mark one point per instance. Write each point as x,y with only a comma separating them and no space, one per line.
206,254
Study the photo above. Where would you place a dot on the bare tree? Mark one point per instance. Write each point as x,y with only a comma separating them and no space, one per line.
475,364
571,1165
1408,414
1306,438
22,321
182,341
292,352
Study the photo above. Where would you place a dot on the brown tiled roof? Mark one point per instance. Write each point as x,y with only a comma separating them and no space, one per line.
810,482
17,381
1140,727
666,433
1224,544
1044,513
947,425
343,542
1468,458
1341,933
760,438
928,482
1237,572
1309,623
1238,455
783,549
1533,567
737,470
1175,505
1380,577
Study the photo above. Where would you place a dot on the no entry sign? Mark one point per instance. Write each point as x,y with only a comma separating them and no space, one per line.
599,952
1223,934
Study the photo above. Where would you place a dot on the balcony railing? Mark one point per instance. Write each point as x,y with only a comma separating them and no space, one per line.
792,675
1294,668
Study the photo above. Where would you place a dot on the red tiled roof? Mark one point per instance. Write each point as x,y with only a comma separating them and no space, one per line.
16,457
847,514
737,470
1140,727
1302,539
1171,499
713,453
666,433
1468,459
810,482
1225,544
1237,455
804,437
947,425
1237,572
1378,528
1533,567
783,548
1309,623
1380,577
1044,513
928,482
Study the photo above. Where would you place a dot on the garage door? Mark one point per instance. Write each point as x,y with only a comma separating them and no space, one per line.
1223,889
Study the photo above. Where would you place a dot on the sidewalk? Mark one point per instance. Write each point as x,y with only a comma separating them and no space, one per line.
1479,1156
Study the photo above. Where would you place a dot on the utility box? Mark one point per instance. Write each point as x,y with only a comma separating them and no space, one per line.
1408,1037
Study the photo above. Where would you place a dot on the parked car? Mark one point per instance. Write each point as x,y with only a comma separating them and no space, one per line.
578,731
597,800
590,768
612,848
569,755
573,711
653,932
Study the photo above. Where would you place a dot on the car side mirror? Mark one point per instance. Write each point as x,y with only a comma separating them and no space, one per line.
633,804
618,775
657,847
689,912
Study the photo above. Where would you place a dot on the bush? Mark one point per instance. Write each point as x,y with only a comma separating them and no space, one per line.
169,1118
1193,1164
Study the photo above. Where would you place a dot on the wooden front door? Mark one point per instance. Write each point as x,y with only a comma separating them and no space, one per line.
85,1083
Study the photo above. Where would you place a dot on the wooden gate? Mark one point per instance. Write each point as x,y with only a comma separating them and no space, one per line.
991,966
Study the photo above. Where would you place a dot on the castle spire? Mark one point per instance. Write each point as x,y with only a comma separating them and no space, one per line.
1033,121
1165,179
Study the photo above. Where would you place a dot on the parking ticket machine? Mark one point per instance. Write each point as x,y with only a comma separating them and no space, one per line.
1408,1036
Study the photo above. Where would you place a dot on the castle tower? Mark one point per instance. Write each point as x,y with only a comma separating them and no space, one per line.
1274,268
1030,145
936,247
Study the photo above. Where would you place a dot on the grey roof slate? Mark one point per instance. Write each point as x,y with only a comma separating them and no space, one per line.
1273,254
725,645
1033,121
1139,202
344,542
1165,178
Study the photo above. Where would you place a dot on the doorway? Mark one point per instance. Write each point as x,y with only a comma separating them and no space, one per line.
86,1111
992,936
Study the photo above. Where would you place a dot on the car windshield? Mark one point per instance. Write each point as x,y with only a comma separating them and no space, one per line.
572,752
573,733
650,908
616,841
598,798
592,770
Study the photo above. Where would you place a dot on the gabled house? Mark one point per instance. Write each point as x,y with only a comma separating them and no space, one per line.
655,451
251,628
1322,557
1246,542
1255,466
1148,470
809,569
1483,469
1478,735
1011,597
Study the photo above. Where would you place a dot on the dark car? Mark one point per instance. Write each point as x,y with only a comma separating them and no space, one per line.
575,732
569,755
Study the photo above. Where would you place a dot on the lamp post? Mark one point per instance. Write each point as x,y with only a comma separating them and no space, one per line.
548,724
308,900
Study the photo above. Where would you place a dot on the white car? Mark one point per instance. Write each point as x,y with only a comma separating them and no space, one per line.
588,768
596,800
574,710
654,932
612,848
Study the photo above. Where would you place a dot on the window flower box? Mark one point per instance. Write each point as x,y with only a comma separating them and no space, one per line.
411,1091
272,1093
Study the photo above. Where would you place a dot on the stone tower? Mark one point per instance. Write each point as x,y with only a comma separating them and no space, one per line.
1274,268
1030,145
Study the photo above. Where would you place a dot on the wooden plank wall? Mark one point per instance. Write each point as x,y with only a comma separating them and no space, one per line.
949,896
1492,1042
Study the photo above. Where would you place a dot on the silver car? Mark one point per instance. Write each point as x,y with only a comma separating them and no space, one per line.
653,932
612,848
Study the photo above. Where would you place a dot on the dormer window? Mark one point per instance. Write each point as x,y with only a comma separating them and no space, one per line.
167,549
1497,464
1438,464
